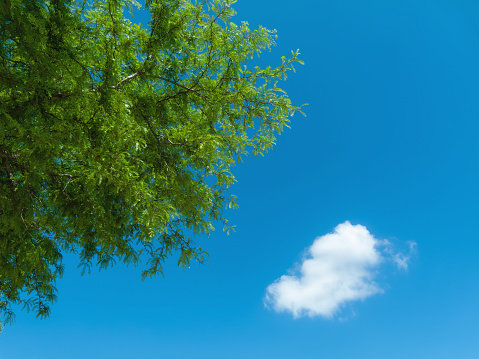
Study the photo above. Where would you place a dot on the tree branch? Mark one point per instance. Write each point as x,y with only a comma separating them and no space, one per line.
126,79
8,156
180,85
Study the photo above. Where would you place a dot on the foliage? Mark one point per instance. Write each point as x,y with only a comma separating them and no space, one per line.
117,139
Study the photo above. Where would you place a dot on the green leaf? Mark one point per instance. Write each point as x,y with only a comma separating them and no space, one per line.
117,139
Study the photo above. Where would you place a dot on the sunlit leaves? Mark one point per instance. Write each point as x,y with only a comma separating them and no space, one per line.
118,141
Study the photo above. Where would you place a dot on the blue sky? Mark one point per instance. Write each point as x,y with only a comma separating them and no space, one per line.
389,144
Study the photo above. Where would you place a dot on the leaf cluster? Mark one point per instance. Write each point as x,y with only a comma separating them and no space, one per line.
117,139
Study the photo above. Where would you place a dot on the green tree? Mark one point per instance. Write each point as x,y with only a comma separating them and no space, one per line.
117,139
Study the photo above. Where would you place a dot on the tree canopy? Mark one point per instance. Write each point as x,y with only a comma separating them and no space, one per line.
116,139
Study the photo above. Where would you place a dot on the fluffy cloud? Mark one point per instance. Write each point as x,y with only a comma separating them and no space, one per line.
339,267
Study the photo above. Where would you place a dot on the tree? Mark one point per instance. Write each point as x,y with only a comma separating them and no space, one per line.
117,139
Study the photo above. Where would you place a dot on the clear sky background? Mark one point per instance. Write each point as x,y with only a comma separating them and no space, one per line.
389,143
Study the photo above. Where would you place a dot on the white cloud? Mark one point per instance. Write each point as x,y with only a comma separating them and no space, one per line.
339,268
401,259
